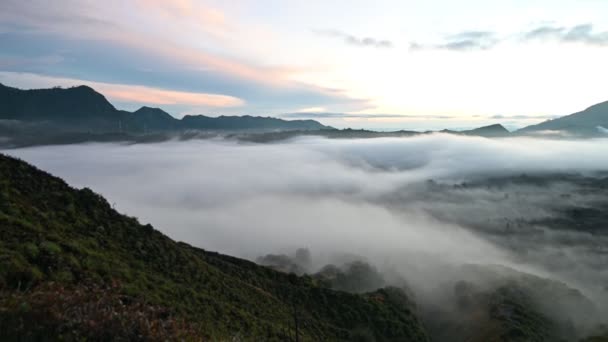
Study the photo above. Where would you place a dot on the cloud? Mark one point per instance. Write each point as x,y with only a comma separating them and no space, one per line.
313,114
584,34
263,89
356,41
205,17
485,40
463,41
477,35
124,92
142,94
99,44
423,206
311,110
524,117
11,62
63,17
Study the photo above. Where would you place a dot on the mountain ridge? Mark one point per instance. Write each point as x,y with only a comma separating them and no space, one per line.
82,107
80,114
583,123
489,131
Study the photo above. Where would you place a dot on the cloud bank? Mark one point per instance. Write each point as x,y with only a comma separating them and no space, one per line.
356,41
485,40
421,205
463,41
128,93
584,33
324,115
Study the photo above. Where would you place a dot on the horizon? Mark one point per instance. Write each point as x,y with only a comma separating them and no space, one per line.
295,117
388,67
284,116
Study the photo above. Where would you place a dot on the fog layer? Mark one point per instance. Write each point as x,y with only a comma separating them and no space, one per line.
419,205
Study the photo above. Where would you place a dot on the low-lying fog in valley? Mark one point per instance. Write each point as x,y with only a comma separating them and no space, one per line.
424,212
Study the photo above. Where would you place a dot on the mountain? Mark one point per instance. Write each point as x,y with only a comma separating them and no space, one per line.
496,130
491,131
83,109
593,121
154,119
78,106
248,122
72,268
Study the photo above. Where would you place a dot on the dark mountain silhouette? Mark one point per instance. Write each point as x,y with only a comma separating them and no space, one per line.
154,119
82,108
491,131
496,130
78,106
593,121
80,114
248,122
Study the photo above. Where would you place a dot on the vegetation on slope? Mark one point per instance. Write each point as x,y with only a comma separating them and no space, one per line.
73,268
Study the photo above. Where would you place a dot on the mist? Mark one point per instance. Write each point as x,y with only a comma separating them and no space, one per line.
420,206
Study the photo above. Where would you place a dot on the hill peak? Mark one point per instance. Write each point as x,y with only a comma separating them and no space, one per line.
147,109
598,106
494,130
494,127
83,88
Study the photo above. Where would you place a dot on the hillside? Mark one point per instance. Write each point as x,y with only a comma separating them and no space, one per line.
71,267
593,121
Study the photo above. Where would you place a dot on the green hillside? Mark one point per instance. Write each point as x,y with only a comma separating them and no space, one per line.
72,268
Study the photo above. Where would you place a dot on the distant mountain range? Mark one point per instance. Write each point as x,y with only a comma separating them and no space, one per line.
82,107
80,114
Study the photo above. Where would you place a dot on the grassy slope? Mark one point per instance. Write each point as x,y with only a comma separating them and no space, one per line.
71,266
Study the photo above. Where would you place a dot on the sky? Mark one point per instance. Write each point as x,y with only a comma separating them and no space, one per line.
379,64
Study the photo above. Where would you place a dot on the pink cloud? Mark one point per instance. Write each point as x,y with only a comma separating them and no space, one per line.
125,93
142,94
205,17
96,22
153,28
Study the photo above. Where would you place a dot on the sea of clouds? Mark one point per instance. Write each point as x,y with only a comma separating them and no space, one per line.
364,198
